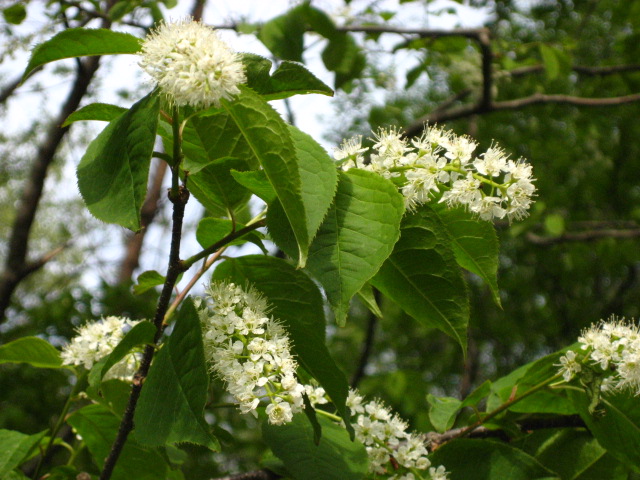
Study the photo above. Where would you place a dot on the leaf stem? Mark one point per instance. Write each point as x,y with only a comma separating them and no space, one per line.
59,422
508,404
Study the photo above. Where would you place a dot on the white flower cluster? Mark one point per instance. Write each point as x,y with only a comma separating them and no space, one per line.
390,447
95,341
440,162
251,352
613,347
191,65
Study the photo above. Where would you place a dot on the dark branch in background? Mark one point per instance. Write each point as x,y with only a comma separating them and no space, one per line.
16,265
8,90
133,247
436,440
255,475
527,425
586,236
583,70
365,353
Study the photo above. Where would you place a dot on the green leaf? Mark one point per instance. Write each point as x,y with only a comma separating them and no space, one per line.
550,61
443,411
368,298
147,280
318,177
95,111
284,35
554,225
475,245
113,173
298,303
617,428
98,428
569,452
268,137
15,448
80,42
211,137
256,181
356,237
344,57
423,278
487,460
171,405
290,78
549,401
141,334
335,458
15,14
215,188
32,350
212,230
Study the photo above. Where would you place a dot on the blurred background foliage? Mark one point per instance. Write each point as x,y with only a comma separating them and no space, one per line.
575,260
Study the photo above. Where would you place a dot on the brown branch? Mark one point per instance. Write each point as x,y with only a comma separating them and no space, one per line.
537,99
8,90
133,247
255,475
586,236
29,201
365,353
581,69
526,425
174,269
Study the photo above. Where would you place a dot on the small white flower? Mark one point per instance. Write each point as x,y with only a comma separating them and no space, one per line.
191,65
96,340
569,366
279,412
438,473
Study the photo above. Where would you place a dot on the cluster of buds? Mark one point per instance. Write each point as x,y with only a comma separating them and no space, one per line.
612,350
96,340
440,164
251,352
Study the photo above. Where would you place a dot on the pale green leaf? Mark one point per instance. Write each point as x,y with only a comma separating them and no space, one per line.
98,428
423,277
95,111
113,173
356,237
268,137
335,458
474,243
15,447
79,42
32,350
297,302
171,405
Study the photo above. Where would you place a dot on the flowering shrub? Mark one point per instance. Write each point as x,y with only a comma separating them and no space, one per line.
440,162
611,349
250,352
371,223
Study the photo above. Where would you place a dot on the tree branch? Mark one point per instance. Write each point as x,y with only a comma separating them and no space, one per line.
581,69
586,236
365,353
536,99
134,243
255,475
18,245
